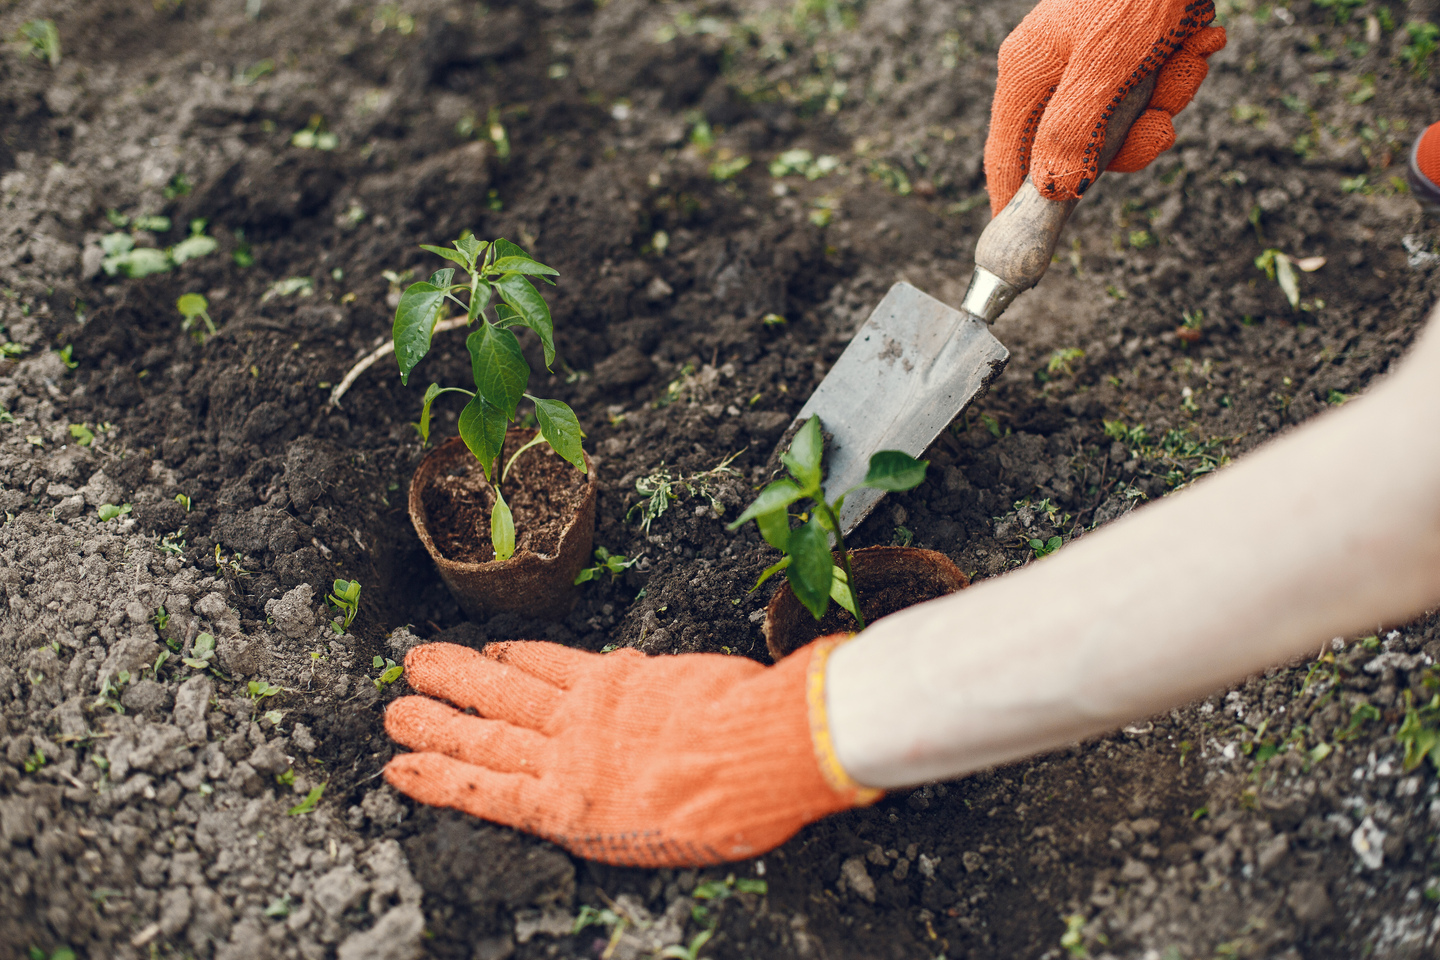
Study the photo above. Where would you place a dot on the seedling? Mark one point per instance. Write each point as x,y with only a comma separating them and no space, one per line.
308,805
606,562
692,951
193,307
346,598
35,761
660,488
315,136
260,689
108,511
390,671
67,356
500,372
122,257
110,691
279,908
201,653
1419,732
1423,41
44,40
812,572
1280,268
1043,548
83,435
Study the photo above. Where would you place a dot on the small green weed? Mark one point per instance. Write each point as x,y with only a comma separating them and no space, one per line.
345,598
308,805
723,170
83,435
194,307
1043,548
660,488
803,162
109,511
390,671
314,136
606,562
1417,52
202,653
690,951
43,38
124,258
1419,732
1073,939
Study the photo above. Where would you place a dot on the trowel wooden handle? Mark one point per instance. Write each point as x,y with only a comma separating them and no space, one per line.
1017,245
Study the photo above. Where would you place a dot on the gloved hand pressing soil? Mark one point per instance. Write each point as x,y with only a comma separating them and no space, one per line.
640,761
1065,68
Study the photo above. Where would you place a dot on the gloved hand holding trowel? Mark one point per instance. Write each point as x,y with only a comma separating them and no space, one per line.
693,759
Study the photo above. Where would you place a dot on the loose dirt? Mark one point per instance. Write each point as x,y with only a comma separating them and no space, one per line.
150,808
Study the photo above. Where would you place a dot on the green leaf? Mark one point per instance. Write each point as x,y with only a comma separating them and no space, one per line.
500,370
533,311
392,674
561,429
586,575
114,244
431,392
442,278
470,247
776,496
840,592
192,247
895,471
502,529
414,322
775,528
480,299
482,427
770,571
192,305
137,263
812,569
504,248
525,265
452,255
803,457
311,801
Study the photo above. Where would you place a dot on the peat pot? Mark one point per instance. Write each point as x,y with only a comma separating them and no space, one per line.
554,510
887,579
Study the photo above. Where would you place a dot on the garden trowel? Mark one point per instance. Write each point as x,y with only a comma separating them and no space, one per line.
916,363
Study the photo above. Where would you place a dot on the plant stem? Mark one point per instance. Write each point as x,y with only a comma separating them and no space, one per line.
844,560
538,438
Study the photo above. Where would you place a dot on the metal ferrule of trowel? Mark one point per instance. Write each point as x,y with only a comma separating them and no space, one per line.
916,363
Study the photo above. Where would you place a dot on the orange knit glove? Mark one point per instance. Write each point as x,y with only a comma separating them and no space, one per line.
1065,68
633,760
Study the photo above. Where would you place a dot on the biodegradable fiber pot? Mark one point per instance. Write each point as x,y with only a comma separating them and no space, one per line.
554,509
887,579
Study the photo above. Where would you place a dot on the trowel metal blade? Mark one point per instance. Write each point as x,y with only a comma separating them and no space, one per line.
907,373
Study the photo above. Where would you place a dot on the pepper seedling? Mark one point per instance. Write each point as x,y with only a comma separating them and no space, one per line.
811,568
346,598
499,368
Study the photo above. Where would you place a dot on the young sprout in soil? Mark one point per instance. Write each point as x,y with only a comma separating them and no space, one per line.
1043,548
811,569
44,40
606,562
500,371
346,598
201,653
83,435
108,511
390,671
308,805
660,488
193,307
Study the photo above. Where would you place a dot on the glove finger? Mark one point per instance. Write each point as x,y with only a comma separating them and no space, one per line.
514,799
1029,70
468,679
1151,135
552,662
1110,58
1182,74
430,726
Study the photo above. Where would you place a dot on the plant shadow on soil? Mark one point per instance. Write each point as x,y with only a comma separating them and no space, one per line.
617,126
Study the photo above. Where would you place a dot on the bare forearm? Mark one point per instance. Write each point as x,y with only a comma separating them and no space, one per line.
1329,530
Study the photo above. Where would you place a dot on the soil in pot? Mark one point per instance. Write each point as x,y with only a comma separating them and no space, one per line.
543,491
887,580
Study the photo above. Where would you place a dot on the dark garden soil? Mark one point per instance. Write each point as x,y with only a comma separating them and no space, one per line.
542,491
150,809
